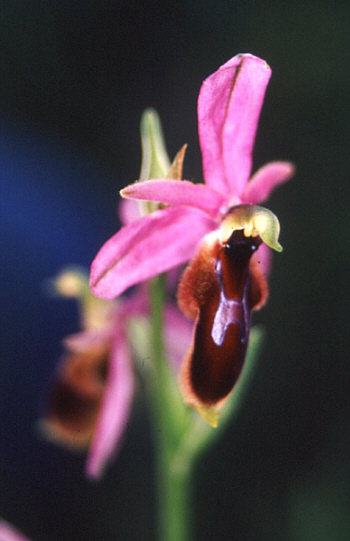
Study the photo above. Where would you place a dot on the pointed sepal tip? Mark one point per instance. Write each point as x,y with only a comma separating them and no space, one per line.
210,415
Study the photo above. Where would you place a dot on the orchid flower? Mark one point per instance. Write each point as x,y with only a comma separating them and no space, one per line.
216,225
89,402
94,384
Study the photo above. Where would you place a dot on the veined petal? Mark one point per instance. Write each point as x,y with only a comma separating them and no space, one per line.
176,192
149,246
229,107
115,409
266,179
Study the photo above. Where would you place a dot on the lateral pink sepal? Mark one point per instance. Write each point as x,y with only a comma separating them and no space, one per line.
147,247
176,192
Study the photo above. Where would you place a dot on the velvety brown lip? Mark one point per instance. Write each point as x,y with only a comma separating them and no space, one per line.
223,317
74,398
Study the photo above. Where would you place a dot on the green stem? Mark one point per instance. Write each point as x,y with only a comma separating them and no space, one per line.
173,484
174,501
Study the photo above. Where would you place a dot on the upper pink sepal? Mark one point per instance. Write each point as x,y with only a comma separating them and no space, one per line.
146,247
229,106
266,179
176,192
115,409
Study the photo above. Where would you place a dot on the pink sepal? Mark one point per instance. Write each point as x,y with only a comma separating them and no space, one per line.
229,106
177,335
9,533
84,341
176,192
128,211
115,409
266,179
263,256
149,246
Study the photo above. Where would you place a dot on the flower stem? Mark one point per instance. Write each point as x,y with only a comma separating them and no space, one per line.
173,484
174,502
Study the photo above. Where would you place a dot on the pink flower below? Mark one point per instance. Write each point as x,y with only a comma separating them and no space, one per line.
90,399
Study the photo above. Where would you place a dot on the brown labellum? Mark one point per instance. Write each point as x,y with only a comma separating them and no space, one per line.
74,397
219,289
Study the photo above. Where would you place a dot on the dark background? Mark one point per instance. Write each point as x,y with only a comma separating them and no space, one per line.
76,77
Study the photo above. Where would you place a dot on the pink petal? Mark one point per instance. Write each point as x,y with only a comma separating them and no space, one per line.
147,247
176,192
266,179
137,303
177,335
9,533
128,211
263,256
229,106
85,340
115,409
172,279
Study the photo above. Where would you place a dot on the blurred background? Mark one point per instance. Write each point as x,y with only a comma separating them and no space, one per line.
76,77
